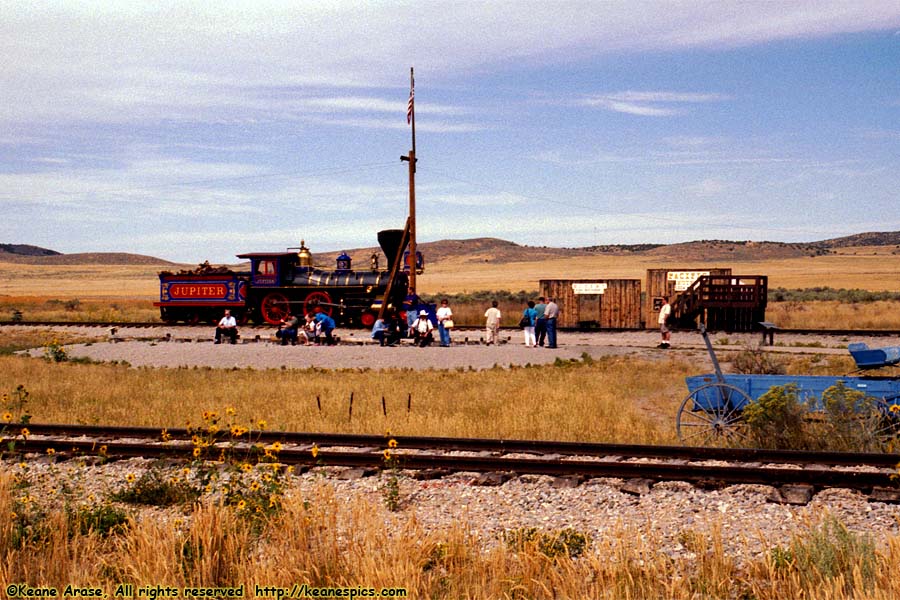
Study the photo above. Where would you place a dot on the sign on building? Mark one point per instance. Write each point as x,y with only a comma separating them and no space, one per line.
684,279
588,288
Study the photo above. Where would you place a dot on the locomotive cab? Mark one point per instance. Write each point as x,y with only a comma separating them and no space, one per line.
270,269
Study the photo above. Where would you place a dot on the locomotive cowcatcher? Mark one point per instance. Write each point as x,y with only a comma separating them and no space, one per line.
279,282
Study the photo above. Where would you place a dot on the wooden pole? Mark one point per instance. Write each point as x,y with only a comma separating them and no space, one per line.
412,189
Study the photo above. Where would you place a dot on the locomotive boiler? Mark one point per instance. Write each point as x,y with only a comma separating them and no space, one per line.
282,282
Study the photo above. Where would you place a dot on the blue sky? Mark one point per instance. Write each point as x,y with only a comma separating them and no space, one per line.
191,133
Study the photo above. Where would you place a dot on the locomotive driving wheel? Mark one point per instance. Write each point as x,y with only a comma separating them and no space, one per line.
711,414
274,307
367,319
320,299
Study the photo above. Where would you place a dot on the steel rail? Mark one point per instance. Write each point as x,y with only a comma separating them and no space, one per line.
717,475
497,446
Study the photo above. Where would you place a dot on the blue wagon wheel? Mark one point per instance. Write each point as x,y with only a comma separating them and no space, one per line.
711,414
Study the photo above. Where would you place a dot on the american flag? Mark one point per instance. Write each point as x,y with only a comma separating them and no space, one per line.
409,105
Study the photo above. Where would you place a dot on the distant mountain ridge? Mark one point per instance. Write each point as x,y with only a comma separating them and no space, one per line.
27,250
496,250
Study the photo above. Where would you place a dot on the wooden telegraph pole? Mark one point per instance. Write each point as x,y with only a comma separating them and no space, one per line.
411,119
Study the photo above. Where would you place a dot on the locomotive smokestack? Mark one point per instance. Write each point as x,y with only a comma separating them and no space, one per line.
390,240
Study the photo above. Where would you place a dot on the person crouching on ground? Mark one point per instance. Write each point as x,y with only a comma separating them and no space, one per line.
228,327
422,330
324,325
492,325
386,331
287,330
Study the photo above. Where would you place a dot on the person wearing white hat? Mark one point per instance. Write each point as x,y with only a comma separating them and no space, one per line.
422,330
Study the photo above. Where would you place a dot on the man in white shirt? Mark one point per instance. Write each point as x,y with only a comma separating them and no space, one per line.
227,327
551,313
492,325
422,330
664,313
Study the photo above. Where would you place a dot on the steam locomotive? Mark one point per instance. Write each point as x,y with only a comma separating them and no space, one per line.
282,282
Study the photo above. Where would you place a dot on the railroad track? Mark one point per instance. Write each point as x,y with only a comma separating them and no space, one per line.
158,324
438,456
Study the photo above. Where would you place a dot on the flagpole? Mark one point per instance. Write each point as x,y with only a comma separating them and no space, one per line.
412,186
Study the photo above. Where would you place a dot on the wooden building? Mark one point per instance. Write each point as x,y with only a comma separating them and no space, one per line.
600,303
670,282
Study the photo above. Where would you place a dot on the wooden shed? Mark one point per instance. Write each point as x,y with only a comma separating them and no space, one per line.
671,282
600,303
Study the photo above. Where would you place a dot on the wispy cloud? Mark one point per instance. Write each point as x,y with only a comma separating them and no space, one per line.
650,104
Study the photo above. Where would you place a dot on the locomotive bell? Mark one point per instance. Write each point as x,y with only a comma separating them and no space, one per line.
343,262
304,255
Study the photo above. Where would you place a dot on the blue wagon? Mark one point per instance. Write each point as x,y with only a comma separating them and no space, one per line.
712,410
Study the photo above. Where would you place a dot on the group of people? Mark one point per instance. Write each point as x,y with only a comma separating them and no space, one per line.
387,329
539,323
315,328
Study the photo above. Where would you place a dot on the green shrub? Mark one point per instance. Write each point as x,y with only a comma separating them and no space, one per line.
104,519
155,488
758,362
827,552
852,421
565,542
776,419
842,420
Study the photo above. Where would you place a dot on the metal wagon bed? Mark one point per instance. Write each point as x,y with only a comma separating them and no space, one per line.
713,407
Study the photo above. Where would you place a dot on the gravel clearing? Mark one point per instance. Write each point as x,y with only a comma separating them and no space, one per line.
184,346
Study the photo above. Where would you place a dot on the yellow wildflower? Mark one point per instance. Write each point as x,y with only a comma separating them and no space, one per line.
164,435
103,450
25,432
895,408
392,443
197,452
213,428
230,411
7,417
276,447
254,486
130,477
261,424
315,451
290,470
273,500
185,471
241,505
387,454
247,467
206,415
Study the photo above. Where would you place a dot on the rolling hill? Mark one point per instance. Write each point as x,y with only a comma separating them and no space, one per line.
497,251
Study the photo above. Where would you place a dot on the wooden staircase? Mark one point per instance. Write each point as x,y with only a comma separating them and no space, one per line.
723,302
